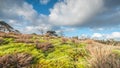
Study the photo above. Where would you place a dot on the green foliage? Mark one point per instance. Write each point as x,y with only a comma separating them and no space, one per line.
21,48
117,52
69,55
6,41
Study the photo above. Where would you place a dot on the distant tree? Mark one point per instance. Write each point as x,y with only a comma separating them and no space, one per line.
61,33
51,33
75,37
41,31
34,34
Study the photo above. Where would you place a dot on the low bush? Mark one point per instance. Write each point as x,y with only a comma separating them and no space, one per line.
23,41
15,60
5,41
44,46
64,40
89,41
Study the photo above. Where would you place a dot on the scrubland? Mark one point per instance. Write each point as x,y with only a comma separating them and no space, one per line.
44,51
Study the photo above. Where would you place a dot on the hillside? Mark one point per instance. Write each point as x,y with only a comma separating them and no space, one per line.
4,27
45,51
59,33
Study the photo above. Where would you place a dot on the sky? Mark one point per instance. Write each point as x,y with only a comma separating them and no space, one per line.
84,18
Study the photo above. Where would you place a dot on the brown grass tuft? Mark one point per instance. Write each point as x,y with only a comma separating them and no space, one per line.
19,60
44,46
64,40
23,41
89,41
102,57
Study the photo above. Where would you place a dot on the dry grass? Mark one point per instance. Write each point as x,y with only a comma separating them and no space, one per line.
102,57
19,60
1,40
109,42
2,34
76,41
44,46
64,40
23,41
26,36
9,35
89,41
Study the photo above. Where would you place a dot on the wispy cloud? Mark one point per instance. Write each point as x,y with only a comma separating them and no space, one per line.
44,2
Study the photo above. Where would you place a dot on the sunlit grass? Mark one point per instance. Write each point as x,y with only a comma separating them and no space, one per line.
64,54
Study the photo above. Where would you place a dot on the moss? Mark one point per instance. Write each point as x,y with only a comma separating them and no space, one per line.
63,55
117,52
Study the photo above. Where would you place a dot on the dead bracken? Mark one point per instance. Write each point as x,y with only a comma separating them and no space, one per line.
18,60
44,46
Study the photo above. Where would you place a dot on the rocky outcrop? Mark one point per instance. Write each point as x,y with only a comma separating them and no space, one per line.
4,27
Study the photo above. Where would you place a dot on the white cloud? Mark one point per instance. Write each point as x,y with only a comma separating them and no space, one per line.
22,16
68,29
35,29
17,10
97,35
113,35
74,12
44,1
83,36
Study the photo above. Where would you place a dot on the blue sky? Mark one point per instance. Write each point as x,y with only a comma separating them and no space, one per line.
42,8
94,18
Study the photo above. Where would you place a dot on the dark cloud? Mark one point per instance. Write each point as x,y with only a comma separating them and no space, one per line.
109,17
104,20
112,3
6,8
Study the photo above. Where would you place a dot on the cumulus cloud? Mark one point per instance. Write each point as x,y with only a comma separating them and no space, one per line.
22,16
34,29
44,2
83,13
74,12
86,13
113,35
16,10
97,35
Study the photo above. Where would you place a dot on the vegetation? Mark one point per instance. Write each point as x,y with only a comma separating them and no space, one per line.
109,42
46,51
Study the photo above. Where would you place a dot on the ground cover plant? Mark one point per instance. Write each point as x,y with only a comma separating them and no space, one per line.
41,51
